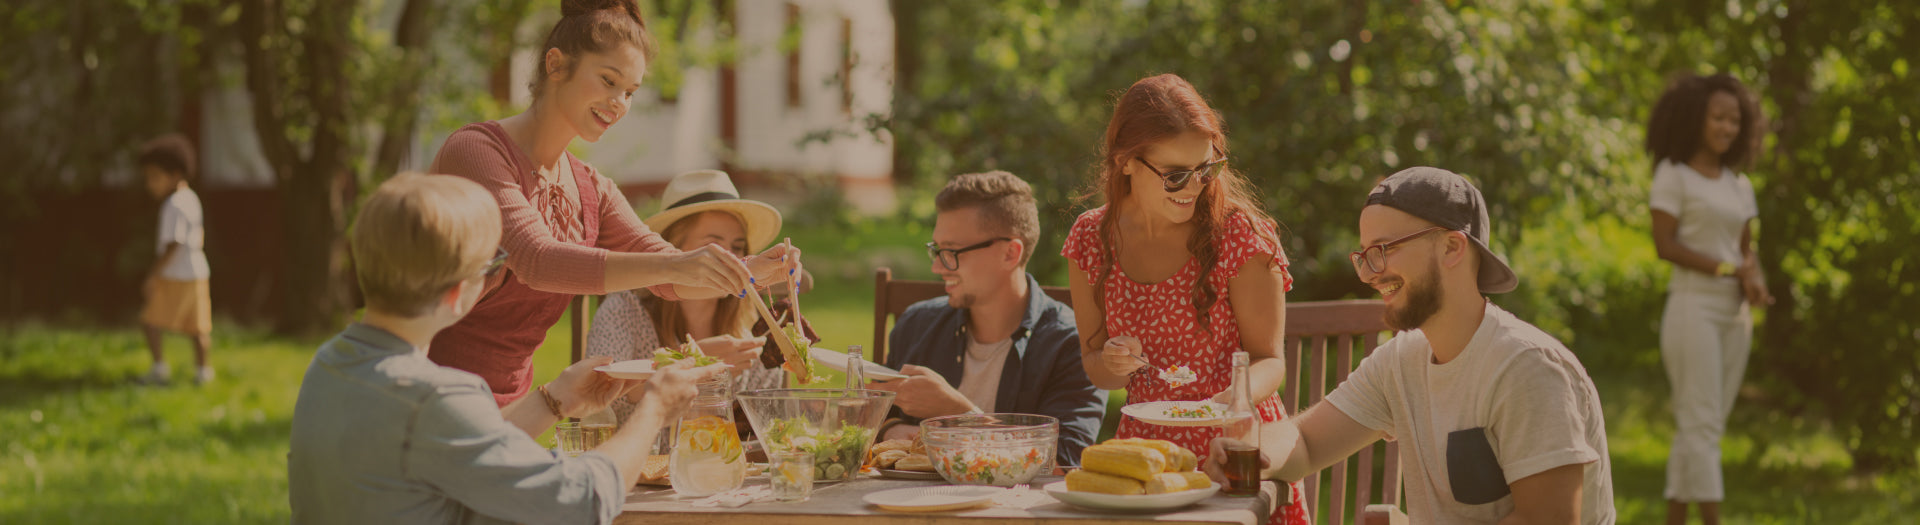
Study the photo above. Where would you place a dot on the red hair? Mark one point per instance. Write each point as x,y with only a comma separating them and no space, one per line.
1153,110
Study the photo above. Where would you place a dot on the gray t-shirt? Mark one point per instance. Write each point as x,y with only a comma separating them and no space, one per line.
1538,409
984,364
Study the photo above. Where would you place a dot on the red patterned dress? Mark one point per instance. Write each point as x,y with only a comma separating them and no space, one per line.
1161,315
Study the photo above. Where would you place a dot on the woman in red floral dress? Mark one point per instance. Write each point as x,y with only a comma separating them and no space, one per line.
1196,272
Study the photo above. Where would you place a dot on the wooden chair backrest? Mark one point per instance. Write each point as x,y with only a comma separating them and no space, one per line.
578,314
1323,338
891,297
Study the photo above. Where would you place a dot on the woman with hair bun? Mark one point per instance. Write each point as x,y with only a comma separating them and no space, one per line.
568,230
1702,129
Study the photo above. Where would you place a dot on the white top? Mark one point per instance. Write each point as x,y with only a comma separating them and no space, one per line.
182,221
1711,212
981,382
1533,398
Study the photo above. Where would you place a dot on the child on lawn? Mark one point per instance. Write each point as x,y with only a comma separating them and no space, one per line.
176,287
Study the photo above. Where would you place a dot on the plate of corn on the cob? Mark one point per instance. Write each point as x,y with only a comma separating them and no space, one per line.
1134,474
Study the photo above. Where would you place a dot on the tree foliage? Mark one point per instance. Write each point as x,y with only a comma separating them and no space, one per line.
1543,104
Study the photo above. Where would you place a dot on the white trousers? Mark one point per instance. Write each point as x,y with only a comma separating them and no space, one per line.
1705,337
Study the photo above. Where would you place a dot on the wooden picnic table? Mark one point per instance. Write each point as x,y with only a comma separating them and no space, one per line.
841,504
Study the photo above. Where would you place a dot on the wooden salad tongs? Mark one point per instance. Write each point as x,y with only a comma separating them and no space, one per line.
779,335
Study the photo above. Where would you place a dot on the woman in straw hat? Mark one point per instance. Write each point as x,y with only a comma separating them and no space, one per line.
702,208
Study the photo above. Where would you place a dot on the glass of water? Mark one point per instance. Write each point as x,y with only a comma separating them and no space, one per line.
791,474
571,437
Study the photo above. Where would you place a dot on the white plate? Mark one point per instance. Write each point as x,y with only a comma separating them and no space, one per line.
632,369
933,499
921,475
1155,412
838,361
1095,500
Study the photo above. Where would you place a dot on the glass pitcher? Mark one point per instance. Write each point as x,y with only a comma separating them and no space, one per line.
707,457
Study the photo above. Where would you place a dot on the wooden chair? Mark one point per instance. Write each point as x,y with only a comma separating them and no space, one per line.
1331,333
891,297
579,313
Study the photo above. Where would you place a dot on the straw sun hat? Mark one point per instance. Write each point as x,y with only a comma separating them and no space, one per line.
711,190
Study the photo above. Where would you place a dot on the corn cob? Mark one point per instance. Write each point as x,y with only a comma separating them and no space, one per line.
1179,459
1084,480
1128,461
1177,481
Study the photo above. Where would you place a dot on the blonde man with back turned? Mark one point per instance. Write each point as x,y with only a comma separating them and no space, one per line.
383,435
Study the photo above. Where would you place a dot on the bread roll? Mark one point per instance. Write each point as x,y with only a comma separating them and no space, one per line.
893,444
915,462
889,458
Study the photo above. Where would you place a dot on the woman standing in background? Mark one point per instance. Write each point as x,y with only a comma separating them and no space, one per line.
1703,212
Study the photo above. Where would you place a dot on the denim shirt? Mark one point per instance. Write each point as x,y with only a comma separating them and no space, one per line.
1042,374
382,435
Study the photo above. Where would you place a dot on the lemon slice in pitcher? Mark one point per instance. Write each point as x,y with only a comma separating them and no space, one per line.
701,440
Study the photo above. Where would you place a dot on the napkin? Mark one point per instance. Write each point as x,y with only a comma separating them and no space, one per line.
1021,497
737,497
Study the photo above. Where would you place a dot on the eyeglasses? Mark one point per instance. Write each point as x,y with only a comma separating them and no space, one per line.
951,258
493,266
1375,257
1177,180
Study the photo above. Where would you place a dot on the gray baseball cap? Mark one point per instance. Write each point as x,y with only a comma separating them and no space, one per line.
1447,200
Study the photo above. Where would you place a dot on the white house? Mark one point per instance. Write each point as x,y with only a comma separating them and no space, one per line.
748,118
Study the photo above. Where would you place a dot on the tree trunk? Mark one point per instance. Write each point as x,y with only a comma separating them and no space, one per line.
1788,86
314,189
318,190
417,21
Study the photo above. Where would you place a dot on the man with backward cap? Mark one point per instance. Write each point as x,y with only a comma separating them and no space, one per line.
1497,421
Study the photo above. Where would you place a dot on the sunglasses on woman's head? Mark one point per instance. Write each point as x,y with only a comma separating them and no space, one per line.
1178,179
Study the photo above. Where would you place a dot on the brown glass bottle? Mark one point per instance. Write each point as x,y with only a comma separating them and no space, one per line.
1242,430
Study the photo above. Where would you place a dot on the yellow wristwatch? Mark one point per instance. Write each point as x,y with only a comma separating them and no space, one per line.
1723,270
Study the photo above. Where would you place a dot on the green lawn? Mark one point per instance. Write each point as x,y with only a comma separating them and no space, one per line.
82,444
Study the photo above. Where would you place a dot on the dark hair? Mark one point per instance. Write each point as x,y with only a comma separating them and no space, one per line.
1155,109
592,26
1005,202
171,153
1674,131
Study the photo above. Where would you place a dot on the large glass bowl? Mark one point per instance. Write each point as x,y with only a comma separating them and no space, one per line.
836,426
991,449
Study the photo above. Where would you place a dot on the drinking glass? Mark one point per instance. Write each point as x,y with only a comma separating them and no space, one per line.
791,474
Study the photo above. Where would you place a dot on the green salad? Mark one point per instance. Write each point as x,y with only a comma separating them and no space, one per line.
689,350
837,455
799,362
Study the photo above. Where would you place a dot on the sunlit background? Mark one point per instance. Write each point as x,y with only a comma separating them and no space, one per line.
849,114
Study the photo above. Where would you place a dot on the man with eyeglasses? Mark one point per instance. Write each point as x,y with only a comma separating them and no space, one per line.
1497,421
995,342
